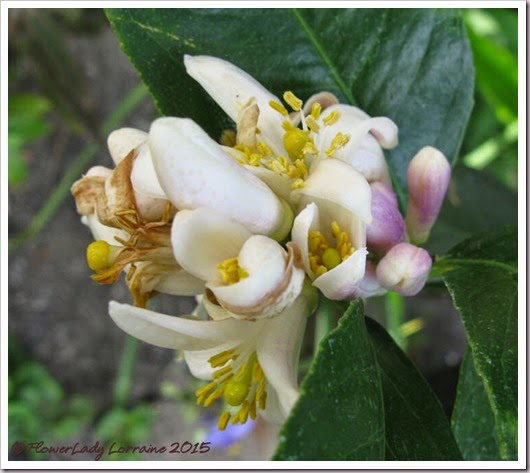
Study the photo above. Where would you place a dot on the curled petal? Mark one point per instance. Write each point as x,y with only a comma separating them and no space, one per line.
233,89
143,174
178,333
202,238
274,280
194,172
122,141
335,181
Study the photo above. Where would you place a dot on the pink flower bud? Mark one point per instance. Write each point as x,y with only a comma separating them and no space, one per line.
428,177
388,227
404,269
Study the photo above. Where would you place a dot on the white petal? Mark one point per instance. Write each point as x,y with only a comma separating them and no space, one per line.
175,332
143,176
122,141
337,182
194,172
232,89
278,350
340,282
307,220
202,238
179,282
271,284
103,232
197,361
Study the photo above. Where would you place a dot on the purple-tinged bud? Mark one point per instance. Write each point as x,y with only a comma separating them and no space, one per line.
404,269
388,227
428,177
369,285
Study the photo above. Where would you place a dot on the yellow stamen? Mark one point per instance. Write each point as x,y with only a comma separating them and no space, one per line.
312,124
294,102
323,256
231,272
278,107
223,421
332,118
221,358
316,110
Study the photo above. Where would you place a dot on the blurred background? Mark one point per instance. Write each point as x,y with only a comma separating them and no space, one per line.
73,375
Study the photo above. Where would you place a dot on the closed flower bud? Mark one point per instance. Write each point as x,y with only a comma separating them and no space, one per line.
428,177
404,269
387,228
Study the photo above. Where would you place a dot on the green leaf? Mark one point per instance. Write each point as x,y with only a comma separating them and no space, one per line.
339,415
415,423
475,202
481,275
473,421
412,65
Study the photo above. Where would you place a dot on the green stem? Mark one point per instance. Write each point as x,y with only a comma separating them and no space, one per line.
395,317
122,388
74,171
324,320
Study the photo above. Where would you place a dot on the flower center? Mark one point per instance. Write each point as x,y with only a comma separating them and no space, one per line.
240,381
147,251
323,256
231,272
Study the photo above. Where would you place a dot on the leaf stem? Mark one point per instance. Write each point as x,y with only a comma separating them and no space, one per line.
76,168
395,317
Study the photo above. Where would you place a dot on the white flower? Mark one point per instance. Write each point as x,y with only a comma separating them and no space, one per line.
195,172
268,141
252,364
130,219
250,276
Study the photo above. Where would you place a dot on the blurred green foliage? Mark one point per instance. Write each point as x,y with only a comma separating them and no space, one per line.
492,135
26,123
39,409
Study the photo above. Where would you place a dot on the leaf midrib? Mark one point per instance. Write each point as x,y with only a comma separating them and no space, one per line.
324,56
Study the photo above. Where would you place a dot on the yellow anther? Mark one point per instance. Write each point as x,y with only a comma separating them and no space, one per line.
221,358
215,395
98,255
312,124
236,392
316,110
332,118
298,184
278,107
221,372
294,102
223,421
252,410
294,141
331,258
243,413
230,271
263,149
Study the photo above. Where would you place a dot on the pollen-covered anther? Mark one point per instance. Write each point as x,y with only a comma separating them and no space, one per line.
294,102
338,141
323,256
231,272
278,107
332,118
240,382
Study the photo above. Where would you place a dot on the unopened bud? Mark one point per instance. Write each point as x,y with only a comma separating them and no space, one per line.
388,227
404,269
428,177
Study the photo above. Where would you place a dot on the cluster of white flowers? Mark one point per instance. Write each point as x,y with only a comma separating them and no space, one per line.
297,200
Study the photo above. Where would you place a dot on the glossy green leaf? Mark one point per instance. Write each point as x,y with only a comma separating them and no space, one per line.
473,421
412,65
475,202
416,427
339,415
481,275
